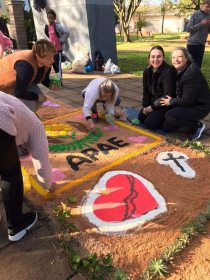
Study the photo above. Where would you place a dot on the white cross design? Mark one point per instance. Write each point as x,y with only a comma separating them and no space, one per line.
178,162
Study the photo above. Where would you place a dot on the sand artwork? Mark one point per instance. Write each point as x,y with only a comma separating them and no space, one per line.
178,162
77,154
131,186
122,200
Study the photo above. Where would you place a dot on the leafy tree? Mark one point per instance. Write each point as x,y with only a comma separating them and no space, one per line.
140,24
125,10
141,13
186,7
165,6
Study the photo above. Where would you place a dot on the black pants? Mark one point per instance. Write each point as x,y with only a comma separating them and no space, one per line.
11,179
197,52
57,63
183,117
153,120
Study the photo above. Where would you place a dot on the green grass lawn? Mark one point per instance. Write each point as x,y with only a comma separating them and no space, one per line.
133,57
153,37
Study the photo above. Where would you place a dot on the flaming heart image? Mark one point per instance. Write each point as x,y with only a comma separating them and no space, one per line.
122,200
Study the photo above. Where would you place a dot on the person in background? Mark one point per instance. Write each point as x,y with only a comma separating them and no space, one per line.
158,81
58,36
5,45
199,27
19,125
192,101
100,90
22,71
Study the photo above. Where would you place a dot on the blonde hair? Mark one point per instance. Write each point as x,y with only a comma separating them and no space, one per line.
43,47
185,52
107,86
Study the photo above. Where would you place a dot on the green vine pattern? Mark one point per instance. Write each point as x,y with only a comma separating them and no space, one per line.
78,144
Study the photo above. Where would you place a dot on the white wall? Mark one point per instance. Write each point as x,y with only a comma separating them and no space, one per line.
3,7
172,24
87,22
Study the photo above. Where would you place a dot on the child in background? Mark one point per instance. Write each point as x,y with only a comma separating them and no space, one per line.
58,36
5,45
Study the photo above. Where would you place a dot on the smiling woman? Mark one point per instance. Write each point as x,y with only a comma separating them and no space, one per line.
158,81
192,102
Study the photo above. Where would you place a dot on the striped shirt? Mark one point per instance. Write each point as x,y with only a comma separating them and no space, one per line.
17,120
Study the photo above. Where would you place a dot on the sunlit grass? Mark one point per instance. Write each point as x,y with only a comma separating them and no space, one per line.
133,57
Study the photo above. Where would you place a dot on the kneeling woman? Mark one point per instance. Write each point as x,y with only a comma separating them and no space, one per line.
100,90
158,81
192,101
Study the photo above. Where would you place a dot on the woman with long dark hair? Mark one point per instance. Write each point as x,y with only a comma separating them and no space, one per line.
158,81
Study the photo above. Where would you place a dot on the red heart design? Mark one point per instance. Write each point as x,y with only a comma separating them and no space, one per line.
127,198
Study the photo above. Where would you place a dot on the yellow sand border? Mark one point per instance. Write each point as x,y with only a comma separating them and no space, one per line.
49,195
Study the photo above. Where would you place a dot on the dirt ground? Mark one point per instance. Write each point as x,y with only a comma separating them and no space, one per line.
194,262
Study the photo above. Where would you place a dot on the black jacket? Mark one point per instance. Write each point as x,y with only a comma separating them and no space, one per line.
192,89
157,84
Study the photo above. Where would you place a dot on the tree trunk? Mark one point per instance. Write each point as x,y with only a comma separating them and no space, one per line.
141,33
126,34
162,27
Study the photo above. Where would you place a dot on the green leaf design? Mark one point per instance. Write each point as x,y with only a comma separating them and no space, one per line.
79,144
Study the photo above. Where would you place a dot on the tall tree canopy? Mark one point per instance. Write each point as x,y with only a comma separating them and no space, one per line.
186,7
125,10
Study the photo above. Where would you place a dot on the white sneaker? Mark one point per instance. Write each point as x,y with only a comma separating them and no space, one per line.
29,219
198,131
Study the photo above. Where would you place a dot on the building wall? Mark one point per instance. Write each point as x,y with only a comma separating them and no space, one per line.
172,24
17,30
91,24
3,7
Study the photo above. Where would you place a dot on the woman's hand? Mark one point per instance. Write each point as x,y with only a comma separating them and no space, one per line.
165,101
53,187
91,125
42,98
54,87
147,110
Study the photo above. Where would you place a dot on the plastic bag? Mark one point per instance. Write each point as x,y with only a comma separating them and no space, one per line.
55,80
107,68
115,69
111,68
81,58
66,65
